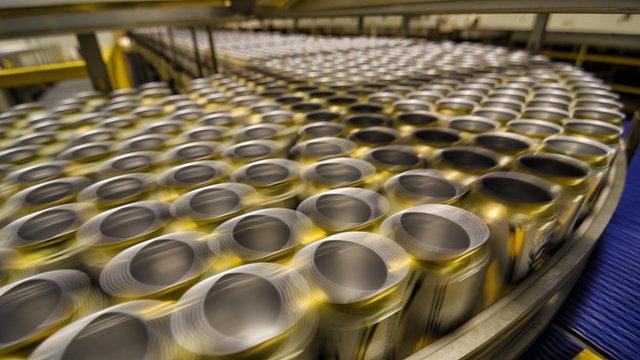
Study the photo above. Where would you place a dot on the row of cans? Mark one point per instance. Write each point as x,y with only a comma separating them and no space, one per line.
258,216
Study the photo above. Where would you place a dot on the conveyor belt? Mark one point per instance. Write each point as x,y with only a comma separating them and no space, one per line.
601,314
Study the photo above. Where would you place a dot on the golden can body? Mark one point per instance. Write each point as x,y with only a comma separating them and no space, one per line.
570,178
601,131
107,233
321,129
594,153
520,210
360,279
135,329
180,179
546,113
464,164
429,141
450,250
455,106
534,129
345,209
159,268
313,150
499,114
46,239
421,186
272,234
393,159
118,190
253,150
471,125
255,311
337,173
409,121
40,305
507,145
206,207
277,181
598,113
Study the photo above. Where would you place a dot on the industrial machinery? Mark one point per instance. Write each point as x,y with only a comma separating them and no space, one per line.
301,196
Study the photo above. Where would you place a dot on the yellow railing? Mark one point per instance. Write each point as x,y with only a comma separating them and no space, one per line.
29,75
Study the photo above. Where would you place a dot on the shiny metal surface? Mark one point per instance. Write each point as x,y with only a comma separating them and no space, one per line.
375,128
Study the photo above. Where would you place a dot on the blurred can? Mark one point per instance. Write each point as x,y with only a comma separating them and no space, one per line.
507,145
311,151
144,142
421,186
464,164
275,132
546,113
471,125
20,155
205,133
137,161
534,129
107,233
429,141
598,113
339,172
276,180
596,154
118,190
407,122
273,235
42,196
345,209
25,177
177,180
192,151
261,311
161,267
321,129
392,159
323,115
253,150
277,116
450,249
221,119
206,207
455,106
136,329
499,114
520,210
601,131
367,120
36,306
375,136
361,279
570,178
46,239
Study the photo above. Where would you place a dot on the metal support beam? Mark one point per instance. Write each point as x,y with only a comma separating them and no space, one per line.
212,50
360,25
196,50
35,23
537,33
404,25
295,25
305,8
582,54
90,51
